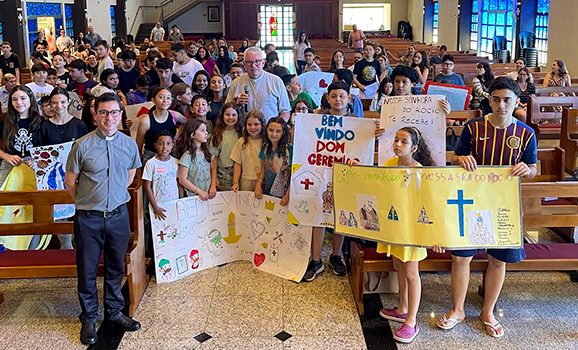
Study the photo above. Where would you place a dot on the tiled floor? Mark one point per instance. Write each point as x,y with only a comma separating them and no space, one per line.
237,307
242,308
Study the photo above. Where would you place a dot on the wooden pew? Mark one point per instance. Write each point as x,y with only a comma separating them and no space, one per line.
547,91
569,139
535,213
544,114
62,263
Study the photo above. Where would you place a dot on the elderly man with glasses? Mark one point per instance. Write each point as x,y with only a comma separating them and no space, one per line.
258,89
100,167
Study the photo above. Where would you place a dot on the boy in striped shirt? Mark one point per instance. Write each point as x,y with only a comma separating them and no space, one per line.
495,139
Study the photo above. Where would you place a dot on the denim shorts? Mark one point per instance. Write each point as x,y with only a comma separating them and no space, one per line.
504,255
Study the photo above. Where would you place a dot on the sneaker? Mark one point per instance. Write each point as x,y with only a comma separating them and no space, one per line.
313,269
406,334
337,265
392,315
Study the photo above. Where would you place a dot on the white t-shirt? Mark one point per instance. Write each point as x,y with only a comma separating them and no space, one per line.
40,91
158,33
104,63
163,176
187,71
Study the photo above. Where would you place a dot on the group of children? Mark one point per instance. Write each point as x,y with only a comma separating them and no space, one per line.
250,154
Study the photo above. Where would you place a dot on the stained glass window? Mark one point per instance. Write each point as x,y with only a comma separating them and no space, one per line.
541,31
69,21
113,20
276,25
497,19
41,9
474,26
436,11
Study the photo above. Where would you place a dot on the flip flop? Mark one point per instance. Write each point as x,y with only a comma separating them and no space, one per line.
492,330
448,323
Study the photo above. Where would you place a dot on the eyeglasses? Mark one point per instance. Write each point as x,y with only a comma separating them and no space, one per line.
449,64
301,109
115,113
256,62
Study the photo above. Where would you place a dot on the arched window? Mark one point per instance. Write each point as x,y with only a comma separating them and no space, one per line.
541,31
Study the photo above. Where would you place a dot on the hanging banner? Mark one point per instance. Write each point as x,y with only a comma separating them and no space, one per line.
197,235
419,111
321,141
427,206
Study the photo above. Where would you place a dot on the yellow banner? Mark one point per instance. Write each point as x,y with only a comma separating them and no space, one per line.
428,206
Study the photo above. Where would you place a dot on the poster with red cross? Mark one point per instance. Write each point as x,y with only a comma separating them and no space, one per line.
320,141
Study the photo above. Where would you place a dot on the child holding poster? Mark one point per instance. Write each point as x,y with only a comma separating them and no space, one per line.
495,139
276,154
245,152
226,133
410,150
195,165
338,100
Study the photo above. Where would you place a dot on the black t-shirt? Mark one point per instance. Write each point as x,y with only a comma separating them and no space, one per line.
92,70
9,65
52,134
23,140
65,78
215,110
155,80
126,79
367,72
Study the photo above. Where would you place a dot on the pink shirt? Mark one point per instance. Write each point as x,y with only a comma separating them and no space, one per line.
356,39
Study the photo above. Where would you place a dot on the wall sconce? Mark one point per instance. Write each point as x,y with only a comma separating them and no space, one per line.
20,17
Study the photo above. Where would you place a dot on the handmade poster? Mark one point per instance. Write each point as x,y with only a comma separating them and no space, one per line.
76,104
197,235
420,111
134,112
315,84
458,96
427,206
49,167
370,91
321,141
20,178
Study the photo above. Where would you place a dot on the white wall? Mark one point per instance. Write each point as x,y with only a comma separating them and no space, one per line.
398,12
99,16
195,20
562,34
448,24
415,16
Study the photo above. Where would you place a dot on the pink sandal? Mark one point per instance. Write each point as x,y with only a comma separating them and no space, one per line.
406,334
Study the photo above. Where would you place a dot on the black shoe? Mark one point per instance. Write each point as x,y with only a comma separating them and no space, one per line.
88,333
337,265
313,269
125,323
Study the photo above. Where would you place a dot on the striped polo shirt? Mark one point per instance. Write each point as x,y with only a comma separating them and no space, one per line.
493,146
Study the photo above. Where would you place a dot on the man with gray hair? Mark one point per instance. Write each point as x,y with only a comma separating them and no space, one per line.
9,82
258,89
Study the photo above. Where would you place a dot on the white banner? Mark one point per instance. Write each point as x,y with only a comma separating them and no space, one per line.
315,84
321,141
134,112
420,111
197,235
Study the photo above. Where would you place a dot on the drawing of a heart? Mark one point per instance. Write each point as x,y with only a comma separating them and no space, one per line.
258,259
322,83
257,228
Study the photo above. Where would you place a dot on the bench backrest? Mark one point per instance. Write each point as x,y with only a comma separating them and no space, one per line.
546,91
546,108
550,165
569,138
